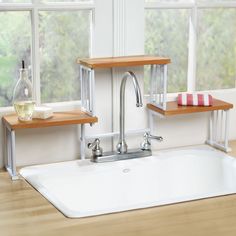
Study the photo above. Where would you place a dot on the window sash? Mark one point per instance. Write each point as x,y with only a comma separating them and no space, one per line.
194,6
34,9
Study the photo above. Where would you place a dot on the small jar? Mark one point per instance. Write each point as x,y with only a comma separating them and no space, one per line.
23,96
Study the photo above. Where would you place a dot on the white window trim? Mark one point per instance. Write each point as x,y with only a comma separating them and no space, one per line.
188,4
46,6
192,52
33,9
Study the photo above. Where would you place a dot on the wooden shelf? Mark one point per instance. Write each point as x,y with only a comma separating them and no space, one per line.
174,109
58,119
109,62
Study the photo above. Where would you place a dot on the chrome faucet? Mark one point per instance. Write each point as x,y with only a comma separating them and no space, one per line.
122,152
122,146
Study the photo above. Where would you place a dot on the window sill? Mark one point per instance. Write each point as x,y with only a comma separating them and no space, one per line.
58,106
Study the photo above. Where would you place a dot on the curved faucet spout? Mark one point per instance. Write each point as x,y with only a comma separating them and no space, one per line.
122,146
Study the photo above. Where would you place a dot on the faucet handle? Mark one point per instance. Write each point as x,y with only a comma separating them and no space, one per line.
158,138
146,144
96,149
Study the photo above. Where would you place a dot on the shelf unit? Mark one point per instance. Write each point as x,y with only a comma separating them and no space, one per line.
11,124
158,105
218,119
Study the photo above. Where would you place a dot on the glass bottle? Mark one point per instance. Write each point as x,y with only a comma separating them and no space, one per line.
23,96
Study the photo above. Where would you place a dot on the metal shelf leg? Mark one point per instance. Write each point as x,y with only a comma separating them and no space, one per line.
226,141
82,141
219,125
11,157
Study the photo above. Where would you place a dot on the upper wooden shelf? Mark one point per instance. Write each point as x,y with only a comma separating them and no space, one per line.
109,62
174,109
58,119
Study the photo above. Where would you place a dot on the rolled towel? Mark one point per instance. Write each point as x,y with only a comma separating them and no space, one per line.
187,99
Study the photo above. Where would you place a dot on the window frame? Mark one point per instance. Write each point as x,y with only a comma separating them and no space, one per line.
34,8
193,6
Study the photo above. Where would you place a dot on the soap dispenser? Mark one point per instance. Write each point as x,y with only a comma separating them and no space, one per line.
23,96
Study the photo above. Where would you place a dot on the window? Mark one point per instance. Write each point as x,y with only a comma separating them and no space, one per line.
49,37
198,37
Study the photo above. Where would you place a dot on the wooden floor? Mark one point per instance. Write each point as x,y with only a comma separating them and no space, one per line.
23,211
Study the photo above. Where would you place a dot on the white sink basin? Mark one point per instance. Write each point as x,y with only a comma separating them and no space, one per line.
83,188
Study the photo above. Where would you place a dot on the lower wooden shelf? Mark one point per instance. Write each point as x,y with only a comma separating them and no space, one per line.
58,119
174,109
218,119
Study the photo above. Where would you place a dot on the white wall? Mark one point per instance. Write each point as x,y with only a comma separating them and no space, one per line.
61,143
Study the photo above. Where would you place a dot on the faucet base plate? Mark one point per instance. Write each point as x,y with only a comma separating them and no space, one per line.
114,156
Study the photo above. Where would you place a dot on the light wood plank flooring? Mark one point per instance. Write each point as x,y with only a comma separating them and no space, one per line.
24,212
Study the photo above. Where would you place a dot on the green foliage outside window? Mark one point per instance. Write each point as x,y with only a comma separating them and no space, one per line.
15,38
216,49
64,36
166,34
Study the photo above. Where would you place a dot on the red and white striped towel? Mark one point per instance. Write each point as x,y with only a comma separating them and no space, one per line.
194,99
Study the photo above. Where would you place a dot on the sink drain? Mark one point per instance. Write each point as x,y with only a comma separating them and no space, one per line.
126,170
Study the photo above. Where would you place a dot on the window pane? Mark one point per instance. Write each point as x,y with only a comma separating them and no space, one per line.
64,36
15,38
166,35
216,55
